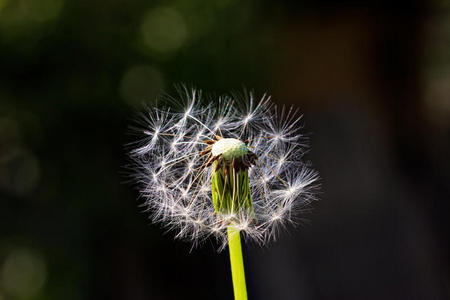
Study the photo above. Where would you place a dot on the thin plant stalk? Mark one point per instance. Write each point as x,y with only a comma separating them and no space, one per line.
237,264
178,147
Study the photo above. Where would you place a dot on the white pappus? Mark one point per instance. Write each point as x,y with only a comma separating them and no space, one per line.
171,164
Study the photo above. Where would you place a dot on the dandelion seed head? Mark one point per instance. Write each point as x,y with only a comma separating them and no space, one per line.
174,161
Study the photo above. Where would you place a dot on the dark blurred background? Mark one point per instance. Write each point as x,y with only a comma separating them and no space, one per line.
372,79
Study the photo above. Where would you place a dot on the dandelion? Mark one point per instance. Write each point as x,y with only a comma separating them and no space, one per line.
221,167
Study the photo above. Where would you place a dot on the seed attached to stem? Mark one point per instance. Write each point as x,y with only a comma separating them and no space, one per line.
231,167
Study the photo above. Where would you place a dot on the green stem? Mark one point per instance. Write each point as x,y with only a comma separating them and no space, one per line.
237,264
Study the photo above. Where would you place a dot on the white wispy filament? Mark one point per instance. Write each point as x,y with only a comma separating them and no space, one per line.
170,164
